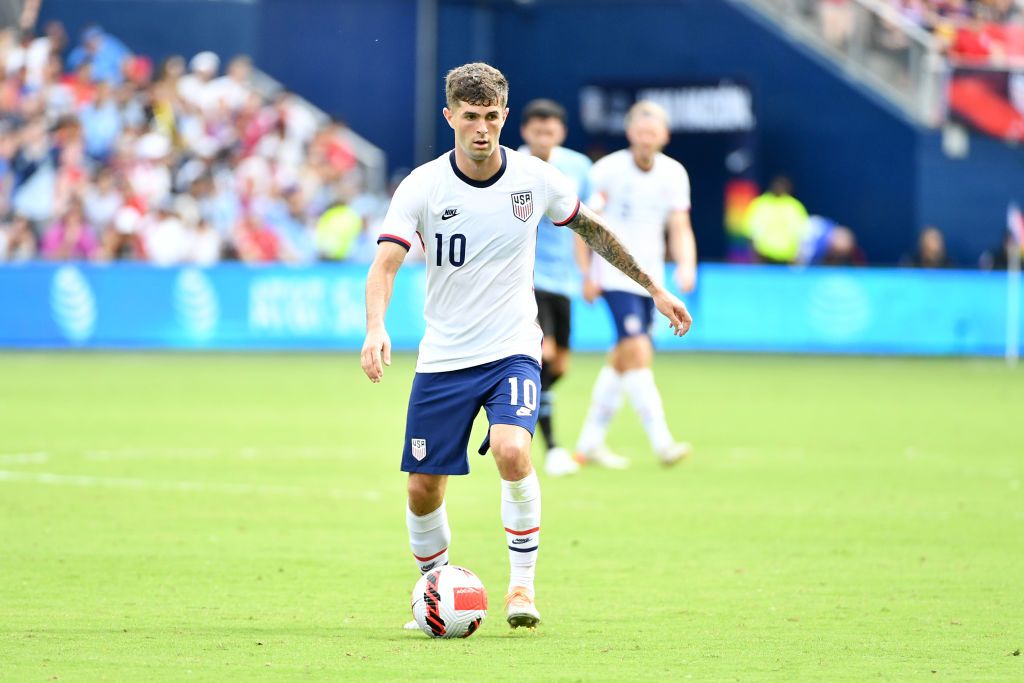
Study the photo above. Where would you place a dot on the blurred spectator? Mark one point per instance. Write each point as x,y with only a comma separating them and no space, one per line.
231,91
129,106
18,241
255,242
105,53
57,97
337,230
34,168
841,249
206,245
70,238
149,175
930,252
54,38
81,84
167,240
72,175
295,232
30,55
836,17
102,200
8,147
120,238
998,258
777,223
100,123
192,87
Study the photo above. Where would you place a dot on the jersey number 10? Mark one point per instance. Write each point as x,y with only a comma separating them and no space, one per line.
456,249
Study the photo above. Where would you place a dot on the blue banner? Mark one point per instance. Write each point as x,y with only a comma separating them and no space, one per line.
749,308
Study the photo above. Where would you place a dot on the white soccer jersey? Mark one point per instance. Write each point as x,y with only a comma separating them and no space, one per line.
480,239
636,205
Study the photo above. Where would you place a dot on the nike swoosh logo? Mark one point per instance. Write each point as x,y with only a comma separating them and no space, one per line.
447,216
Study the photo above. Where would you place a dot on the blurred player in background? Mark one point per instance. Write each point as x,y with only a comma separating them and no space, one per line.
475,211
556,275
639,191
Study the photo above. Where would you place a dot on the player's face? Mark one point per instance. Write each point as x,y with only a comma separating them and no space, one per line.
647,136
477,128
543,135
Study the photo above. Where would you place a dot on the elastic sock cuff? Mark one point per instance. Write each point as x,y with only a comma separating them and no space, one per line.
525,489
427,522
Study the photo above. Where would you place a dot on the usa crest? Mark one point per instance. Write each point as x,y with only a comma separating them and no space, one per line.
419,448
522,205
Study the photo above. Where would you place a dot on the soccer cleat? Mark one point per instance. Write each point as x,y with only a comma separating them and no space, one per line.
411,626
603,457
520,610
674,453
558,463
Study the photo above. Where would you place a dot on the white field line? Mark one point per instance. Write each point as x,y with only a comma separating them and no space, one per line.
87,481
191,453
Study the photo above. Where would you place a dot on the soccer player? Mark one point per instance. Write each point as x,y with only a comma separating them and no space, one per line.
475,211
556,275
639,191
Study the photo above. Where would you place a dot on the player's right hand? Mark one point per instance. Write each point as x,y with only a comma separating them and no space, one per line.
376,353
675,310
591,291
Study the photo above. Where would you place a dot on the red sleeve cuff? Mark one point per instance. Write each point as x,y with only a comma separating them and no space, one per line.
384,237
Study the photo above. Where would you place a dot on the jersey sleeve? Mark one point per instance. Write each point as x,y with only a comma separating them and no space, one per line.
681,191
563,202
403,217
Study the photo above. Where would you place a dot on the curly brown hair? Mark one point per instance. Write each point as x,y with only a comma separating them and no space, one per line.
478,84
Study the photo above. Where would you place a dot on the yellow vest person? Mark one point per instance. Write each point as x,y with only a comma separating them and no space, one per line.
777,223
336,230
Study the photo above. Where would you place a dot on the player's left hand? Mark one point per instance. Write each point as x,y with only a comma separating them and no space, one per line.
591,291
675,310
686,279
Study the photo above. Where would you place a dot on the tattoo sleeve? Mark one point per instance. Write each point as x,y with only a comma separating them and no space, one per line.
596,234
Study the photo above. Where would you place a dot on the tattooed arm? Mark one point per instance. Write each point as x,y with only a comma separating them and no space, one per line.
596,234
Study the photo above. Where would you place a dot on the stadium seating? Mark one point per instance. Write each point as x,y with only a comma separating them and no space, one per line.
106,157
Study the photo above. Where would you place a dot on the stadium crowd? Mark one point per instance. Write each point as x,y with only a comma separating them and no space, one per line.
973,31
105,156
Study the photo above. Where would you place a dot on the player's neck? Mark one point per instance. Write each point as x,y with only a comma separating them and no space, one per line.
645,164
478,170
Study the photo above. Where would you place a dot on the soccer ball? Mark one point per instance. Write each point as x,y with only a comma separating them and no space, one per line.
449,602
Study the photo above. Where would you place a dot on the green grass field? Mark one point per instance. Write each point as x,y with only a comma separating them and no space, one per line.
226,517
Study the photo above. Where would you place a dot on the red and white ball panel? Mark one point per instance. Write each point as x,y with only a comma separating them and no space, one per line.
449,602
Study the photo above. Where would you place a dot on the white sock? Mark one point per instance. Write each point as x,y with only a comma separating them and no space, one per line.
429,537
520,513
643,394
605,401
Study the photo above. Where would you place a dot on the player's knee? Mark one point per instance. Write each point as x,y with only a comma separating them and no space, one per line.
512,455
633,353
425,493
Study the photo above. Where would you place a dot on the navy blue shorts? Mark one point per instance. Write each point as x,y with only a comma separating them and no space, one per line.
443,405
633,313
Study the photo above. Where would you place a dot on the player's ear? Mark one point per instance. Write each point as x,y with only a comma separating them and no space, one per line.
448,115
